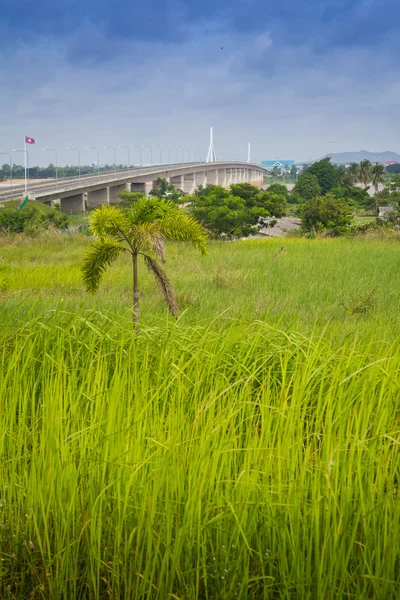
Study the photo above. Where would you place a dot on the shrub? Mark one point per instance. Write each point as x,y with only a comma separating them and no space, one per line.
326,213
31,219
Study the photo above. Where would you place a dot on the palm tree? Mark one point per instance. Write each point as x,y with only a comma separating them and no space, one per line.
377,174
140,230
364,172
351,175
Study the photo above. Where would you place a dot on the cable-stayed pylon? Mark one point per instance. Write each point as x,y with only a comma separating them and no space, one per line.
211,152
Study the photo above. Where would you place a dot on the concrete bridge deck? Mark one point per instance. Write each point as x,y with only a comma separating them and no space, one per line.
76,194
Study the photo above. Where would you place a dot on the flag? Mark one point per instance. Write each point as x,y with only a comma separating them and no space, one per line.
29,140
21,206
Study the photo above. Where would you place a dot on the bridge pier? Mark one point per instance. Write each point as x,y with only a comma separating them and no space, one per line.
189,183
114,190
97,197
72,204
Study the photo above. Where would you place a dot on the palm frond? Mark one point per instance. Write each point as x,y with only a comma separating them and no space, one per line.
178,226
147,210
109,221
101,254
147,236
163,283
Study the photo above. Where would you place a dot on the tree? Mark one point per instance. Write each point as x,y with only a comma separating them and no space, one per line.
237,213
377,176
394,184
327,174
293,171
325,212
307,187
364,172
354,196
248,192
164,189
140,231
127,199
393,168
351,176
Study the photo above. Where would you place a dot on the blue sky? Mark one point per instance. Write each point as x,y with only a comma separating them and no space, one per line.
297,79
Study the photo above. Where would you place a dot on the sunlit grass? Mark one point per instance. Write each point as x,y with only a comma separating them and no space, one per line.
248,450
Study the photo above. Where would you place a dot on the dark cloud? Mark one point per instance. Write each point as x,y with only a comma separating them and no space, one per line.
292,75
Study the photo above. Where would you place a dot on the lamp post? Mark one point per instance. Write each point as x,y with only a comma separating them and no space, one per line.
55,155
112,148
169,152
26,177
129,154
79,161
11,174
151,154
140,151
98,157
176,154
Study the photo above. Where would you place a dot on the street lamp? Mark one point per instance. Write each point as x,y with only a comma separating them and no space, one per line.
129,154
79,161
140,150
151,154
11,173
55,154
169,152
98,157
26,177
112,148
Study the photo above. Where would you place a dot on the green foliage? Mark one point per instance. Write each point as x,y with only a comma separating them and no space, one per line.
167,190
353,196
237,213
141,229
31,219
327,174
325,213
350,177
306,188
279,189
364,171
394,185
127,199
377,174
393,169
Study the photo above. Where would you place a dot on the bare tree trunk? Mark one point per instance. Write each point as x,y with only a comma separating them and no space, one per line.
135,291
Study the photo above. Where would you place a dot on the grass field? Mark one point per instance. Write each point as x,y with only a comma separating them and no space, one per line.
249,449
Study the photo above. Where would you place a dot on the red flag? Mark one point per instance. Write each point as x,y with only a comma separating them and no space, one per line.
29,140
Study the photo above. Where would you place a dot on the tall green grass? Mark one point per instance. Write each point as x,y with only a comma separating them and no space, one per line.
196,462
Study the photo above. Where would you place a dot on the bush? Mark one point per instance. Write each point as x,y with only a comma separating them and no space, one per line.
237,213
306,188
31,219
326,213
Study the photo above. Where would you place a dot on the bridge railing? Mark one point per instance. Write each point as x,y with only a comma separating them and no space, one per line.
105,178
76,183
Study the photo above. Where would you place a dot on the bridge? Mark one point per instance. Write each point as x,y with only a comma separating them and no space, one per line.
76,194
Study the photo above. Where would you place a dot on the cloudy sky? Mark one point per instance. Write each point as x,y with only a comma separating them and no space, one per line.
298,79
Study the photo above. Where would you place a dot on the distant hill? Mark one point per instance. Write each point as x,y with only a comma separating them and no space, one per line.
345,158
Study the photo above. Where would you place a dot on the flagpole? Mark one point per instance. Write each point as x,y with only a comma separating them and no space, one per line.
26,187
